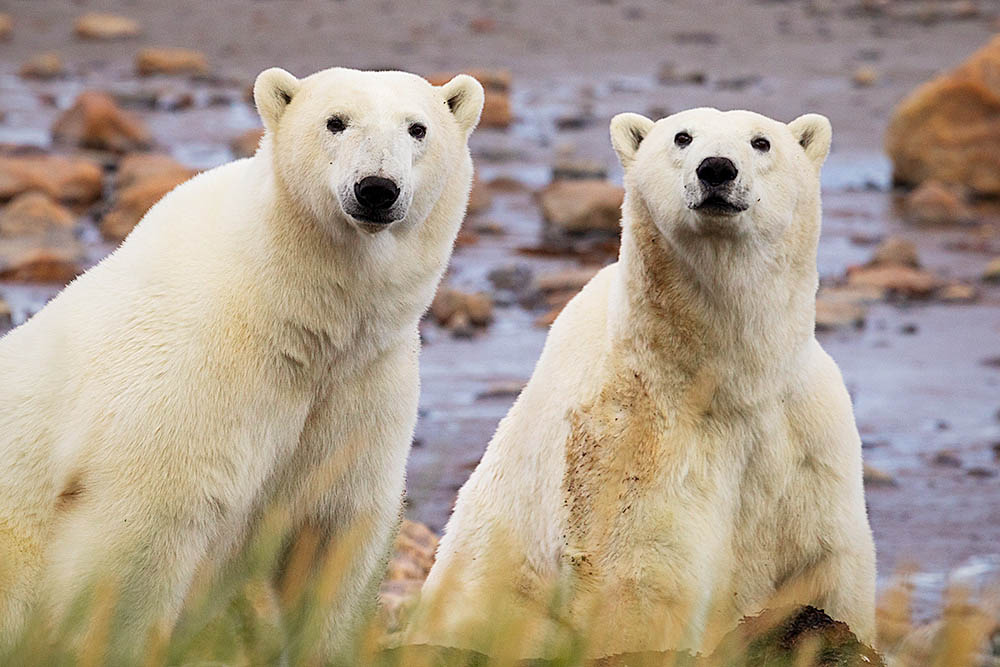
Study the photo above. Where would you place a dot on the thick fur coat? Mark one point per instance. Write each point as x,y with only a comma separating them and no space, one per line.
252,345
685,453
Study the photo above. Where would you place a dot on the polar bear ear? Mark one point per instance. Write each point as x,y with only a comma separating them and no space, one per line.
627,132
272,91
814,134
464,97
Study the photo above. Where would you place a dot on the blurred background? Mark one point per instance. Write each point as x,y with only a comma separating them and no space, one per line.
105,106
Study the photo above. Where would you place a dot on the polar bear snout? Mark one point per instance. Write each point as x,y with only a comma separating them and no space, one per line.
717,192
375,202
715,171
375,193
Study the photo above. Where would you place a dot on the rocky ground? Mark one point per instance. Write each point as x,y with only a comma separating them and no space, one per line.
100,115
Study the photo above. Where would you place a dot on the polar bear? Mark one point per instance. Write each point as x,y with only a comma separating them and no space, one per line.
685,453
251,345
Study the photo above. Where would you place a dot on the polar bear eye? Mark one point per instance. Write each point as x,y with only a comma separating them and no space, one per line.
761,144
418,130
336,124
682,139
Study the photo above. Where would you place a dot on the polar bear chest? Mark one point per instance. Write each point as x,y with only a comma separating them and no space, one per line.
669,511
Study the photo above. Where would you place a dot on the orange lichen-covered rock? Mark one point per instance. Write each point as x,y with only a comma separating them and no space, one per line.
133,201
65,179
170,61
96,121
101,26
34,213
948,129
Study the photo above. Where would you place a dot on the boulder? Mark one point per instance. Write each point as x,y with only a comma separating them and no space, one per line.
34,213
832,314
957,293
864,76
492,79
845,306
557,289
37,241
948,129
413,556
895,251
245,145
934,203
545,320
501,389
101,26
992,272
482,24
96,121
515,278
873,477
413,552
460,312
784,636
137,167
480,197
172,61
582,205
497,113
948,458
569,280
68,180
20,262
894,269
132,202
574,168
669,74
900,280
47,65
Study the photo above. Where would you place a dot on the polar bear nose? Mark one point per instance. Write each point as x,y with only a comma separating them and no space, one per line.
376,193
716,171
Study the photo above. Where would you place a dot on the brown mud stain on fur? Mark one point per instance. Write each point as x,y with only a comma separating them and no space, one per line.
619,443
612,453
71,493
664,297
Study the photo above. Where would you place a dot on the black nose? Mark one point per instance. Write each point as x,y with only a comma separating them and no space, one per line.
716,170
376,193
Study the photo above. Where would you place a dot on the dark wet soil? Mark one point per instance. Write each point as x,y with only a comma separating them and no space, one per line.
924,376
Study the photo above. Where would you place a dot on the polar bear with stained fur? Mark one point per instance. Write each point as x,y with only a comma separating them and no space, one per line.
685,453
252,345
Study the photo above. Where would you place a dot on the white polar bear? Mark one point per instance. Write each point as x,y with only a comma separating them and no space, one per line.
252,344
685,452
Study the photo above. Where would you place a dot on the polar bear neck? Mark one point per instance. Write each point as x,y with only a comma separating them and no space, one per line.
350,291
722,312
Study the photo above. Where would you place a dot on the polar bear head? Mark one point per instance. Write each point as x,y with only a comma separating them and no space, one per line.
368,150
734,175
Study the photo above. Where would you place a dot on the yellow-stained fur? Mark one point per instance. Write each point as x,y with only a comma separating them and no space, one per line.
685,452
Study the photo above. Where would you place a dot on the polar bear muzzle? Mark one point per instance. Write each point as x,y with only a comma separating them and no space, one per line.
375,195
718,195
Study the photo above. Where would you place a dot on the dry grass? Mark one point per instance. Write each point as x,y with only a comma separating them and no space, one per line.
268,609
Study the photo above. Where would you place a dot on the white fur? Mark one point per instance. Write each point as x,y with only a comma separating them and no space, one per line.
249,346
685,452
